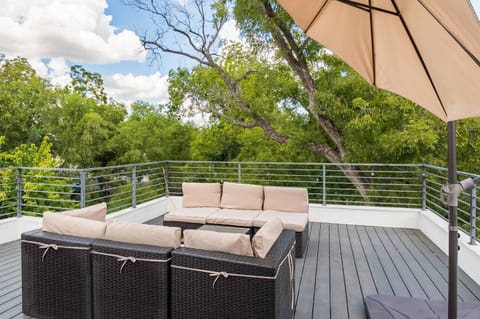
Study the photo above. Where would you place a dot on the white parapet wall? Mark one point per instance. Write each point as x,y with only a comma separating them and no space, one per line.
365,215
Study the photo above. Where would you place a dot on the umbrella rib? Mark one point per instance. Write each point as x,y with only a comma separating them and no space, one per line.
472,56
365,7
374,66
315,17
417,51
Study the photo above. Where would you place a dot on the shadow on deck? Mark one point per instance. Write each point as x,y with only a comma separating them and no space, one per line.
342,265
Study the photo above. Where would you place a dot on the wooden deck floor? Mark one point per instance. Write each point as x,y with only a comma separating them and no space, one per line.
342,265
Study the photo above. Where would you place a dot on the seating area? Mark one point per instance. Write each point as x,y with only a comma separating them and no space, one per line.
243,205
81,266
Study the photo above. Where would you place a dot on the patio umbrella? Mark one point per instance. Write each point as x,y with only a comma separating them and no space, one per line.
425,50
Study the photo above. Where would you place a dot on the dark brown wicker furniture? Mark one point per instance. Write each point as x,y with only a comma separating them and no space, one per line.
227,229
130,280
301,241
209,284
182,225
56,276
300,237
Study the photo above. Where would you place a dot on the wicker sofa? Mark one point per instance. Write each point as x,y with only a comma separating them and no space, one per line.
207,284
81,268
243,205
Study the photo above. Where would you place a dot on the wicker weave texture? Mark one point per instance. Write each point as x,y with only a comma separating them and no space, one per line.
182,225
195,296
141,290
301,242
60,285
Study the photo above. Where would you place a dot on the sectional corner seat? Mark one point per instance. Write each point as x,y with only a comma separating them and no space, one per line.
216,284
78,266
243,205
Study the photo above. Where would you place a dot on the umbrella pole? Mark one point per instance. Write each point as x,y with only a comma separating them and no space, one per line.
453,228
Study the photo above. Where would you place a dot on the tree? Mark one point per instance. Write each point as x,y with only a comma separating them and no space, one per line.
149,135
25,99
83,121
41,188
87,84
283,83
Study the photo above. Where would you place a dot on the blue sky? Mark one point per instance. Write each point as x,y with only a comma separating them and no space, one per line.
101,35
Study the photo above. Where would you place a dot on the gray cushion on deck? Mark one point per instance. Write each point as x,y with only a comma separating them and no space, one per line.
395,307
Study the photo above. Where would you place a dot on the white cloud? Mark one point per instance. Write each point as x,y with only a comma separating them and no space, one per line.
77,30
230,32
128,88
38,66
59,72
55,70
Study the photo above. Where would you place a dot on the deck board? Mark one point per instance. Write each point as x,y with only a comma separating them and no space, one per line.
321,301
354,296
305,294
342,265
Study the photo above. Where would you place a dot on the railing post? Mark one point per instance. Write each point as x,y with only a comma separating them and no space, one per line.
424,187
239,172
134,186
324,185
473,216
19,192
165,177
83,186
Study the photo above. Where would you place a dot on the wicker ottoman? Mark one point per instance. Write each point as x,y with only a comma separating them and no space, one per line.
218,285
56,276
130,280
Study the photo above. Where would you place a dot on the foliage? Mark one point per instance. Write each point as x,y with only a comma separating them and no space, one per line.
81,129
148,135
40,188
24,100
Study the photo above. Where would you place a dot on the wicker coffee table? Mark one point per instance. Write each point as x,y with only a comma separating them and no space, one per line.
227,229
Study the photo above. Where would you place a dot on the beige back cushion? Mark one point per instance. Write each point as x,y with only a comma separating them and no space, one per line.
242,196
266,236
238,244
94,212
73,226
286,199
201,194
143,234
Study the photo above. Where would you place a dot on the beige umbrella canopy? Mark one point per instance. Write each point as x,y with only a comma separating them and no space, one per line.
425,50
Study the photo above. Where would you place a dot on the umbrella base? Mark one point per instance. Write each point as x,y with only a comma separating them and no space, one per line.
395,307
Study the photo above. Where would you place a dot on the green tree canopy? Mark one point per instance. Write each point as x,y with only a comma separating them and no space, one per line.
149,135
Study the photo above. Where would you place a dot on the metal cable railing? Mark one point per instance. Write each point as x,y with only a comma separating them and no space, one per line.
31,191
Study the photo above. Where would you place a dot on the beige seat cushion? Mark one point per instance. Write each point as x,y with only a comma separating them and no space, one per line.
201,194
238,244
234,217
73,226
143,234
191,215
266,236
242,196
95,212
294,221
286,199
